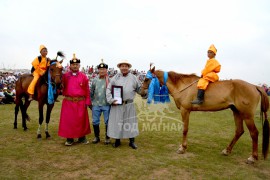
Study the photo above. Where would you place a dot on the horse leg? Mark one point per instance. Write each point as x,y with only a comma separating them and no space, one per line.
16,113
185,118
254,136
41,118
25,116
48,116
239,130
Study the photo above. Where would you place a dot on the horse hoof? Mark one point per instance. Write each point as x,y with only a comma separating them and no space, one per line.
15,128
25,129
225,152
48,136
250,160
181,149
39,136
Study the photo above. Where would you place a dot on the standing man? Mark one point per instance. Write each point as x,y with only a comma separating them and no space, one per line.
123,120
209,74
74,120
99,101
39,67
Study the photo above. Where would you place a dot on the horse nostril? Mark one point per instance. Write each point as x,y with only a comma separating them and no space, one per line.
145,96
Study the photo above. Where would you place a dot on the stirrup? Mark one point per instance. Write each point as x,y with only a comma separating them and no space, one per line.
197,101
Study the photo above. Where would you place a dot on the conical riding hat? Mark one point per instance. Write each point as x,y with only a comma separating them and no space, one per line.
213,48
41,47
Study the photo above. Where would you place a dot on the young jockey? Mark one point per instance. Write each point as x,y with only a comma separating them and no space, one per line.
40,65
209,73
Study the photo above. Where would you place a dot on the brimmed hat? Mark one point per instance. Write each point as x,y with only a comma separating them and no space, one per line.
213,48
74,60
41,47
102,65
124,62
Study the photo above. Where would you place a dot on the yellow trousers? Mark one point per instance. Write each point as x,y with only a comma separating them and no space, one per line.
202,84
31,87
210,77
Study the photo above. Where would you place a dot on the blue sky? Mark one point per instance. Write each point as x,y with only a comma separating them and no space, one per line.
174,34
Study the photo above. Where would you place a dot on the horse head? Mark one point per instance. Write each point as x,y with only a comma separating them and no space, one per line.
146,82
56,69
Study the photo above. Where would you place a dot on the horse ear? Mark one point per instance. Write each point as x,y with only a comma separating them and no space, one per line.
61,61
153,69
151,65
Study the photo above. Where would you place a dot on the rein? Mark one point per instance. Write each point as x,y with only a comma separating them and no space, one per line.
186,87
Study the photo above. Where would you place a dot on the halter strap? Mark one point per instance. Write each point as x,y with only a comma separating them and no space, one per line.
165,77
51,89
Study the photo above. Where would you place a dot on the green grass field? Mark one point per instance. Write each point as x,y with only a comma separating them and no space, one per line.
22,156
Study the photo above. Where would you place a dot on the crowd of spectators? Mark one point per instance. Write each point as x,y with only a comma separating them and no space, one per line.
7,87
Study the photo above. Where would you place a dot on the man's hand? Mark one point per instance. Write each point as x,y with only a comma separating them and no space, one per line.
114,102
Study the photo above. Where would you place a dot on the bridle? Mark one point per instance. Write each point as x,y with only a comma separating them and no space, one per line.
52,80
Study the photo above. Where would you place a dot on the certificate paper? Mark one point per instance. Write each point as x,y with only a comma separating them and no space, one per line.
117,93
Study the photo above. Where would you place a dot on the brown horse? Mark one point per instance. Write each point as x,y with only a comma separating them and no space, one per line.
241,97
41,94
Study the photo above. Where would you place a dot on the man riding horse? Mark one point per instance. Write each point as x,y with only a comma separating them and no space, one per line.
39,68
209,73
44,84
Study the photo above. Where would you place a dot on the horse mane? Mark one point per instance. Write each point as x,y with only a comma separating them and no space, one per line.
52,61
44,77
175,77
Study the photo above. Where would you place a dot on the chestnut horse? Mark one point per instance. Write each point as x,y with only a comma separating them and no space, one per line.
41,94
241,97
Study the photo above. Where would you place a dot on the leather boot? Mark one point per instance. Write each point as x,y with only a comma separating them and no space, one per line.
107,138
200,97
96,131
132,144
116,143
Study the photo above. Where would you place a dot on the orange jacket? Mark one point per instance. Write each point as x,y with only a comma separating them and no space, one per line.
40,67
211,69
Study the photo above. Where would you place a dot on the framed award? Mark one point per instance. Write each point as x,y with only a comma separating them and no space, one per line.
117,94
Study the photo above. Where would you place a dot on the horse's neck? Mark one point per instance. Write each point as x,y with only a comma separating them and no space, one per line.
43,79
160,77
177,82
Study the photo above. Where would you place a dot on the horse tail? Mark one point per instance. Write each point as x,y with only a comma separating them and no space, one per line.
265,124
